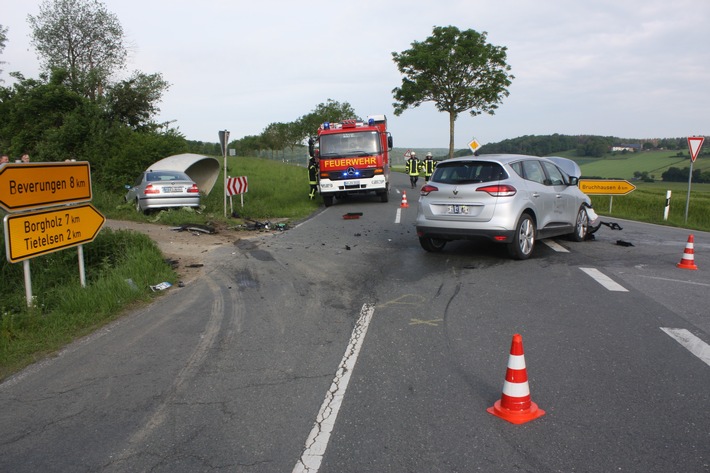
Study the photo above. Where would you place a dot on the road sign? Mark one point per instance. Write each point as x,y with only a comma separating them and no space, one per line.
474,145
26,186
605,186
694,145
36,233
237,185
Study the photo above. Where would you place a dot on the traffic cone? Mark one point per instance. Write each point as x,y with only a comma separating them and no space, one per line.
404,200
515,404
688,260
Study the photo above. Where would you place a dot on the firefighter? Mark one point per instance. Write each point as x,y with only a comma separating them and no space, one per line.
413,169
313,177
428,166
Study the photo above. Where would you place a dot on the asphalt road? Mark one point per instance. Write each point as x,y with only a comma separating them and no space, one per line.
341,346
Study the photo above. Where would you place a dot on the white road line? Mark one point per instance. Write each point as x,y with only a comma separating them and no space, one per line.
555,246
317,442
690,342
398,216
604,280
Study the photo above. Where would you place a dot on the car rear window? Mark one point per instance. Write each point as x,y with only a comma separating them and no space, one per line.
166,176
468,172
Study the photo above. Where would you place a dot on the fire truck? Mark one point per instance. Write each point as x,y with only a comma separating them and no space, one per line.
353,158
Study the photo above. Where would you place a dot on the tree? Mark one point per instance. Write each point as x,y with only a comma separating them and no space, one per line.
3,40
457,70
134,101
331,111
83,38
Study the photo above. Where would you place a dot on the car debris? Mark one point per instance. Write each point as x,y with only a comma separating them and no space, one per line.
195,227
161,287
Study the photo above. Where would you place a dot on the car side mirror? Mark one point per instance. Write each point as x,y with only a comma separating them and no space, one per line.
573,181
127,186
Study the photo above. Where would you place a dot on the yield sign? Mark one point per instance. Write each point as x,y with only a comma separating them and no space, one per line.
694,145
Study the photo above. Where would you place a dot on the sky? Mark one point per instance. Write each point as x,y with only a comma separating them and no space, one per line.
625,68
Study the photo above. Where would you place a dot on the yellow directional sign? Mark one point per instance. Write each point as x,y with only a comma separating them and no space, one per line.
26,186
36,233
605,186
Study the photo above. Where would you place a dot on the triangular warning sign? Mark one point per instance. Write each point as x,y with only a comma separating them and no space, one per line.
694,145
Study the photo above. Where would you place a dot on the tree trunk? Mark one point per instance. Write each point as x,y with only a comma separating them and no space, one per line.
452,121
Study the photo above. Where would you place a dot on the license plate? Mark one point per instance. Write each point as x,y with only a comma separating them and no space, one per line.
172,189
352,183
458,209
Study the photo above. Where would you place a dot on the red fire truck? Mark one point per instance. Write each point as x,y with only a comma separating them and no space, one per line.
353,158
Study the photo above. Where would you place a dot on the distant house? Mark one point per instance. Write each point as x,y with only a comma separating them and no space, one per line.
630,148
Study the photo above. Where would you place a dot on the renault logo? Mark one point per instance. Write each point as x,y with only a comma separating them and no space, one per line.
456,190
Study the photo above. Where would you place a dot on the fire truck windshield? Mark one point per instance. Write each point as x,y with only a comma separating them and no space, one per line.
363,143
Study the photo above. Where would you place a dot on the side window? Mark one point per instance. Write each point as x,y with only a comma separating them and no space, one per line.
532,170
556,178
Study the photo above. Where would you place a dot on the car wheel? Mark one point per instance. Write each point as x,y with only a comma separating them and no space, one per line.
581,226
328,200
523,239
433,245
138,206
384,196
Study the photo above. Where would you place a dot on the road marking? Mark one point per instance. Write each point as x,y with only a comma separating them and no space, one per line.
317,442
604,280
555,246
398,215
690,342
433,322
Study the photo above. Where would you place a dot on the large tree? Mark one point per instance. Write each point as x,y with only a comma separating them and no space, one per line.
457,70
3,40
81,37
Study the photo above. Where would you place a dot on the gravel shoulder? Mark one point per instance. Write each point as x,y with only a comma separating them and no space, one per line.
186,249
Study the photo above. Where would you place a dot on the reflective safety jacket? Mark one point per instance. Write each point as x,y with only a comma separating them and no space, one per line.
412,167
312,172
428,166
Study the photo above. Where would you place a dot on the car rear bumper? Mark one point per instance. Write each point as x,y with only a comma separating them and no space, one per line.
167,202
500,236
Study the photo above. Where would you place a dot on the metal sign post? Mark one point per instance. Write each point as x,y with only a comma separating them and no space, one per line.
224,141
694,145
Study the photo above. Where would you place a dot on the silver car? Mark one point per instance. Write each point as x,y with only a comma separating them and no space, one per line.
163,189
511,199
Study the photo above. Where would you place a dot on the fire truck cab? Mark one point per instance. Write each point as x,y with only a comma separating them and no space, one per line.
353,157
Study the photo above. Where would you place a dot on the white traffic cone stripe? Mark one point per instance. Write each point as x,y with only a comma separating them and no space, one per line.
516,362
516,389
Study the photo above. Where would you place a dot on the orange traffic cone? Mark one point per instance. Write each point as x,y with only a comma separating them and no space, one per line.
688,260
515,404
404,200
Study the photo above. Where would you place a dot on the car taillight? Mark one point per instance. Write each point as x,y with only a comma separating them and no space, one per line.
427,189
193,189
499,190
149,189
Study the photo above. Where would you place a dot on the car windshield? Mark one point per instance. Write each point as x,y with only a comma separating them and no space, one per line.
166,176
468,172
363,143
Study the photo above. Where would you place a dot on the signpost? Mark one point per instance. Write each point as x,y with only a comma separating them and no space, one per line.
42,217
694,145
224,142
610,187
37,233
26,186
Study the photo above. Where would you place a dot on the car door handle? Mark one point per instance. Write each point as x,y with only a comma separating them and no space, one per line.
535,194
